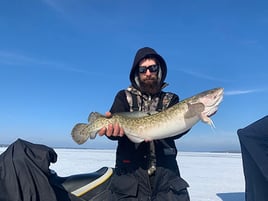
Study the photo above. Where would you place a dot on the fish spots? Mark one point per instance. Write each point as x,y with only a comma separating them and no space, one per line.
79,133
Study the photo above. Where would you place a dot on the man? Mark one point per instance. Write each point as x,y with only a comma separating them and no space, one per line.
149,170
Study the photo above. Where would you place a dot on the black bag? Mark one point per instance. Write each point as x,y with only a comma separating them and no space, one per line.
254,149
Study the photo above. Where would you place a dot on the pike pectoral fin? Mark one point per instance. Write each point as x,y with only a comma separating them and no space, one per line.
207,120
194,109
80,134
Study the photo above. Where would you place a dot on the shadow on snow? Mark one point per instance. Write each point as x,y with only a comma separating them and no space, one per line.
239,196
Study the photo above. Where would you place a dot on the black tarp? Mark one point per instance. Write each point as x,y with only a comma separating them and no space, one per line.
24,171
254,148
25,174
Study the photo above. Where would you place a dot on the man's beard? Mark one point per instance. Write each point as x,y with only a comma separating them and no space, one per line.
150,86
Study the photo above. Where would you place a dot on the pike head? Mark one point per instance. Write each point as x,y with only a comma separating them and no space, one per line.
206,103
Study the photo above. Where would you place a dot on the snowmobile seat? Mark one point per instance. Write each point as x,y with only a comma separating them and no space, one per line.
87,184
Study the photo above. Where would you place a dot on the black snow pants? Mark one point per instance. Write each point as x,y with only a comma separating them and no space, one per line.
137,185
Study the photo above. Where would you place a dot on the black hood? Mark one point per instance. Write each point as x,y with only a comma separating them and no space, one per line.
141,54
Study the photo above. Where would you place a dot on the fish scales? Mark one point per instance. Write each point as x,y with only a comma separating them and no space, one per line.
168,123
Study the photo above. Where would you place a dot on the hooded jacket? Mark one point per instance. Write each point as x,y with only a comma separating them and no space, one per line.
142,53
130,154
134,162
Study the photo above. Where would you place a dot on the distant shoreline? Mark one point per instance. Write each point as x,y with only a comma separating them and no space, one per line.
84,148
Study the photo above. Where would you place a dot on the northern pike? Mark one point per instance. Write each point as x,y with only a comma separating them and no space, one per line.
140,126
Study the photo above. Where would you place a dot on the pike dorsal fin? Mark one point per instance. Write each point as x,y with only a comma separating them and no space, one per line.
93,116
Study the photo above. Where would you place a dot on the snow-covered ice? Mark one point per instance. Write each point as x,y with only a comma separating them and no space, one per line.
211,176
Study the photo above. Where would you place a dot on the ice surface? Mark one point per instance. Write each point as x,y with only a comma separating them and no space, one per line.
211,176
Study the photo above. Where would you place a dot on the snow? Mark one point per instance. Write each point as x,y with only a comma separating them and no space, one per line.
211,176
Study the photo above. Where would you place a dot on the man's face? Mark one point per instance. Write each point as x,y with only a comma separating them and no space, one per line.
148,71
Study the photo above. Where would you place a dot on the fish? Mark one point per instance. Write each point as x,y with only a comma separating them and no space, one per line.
142,126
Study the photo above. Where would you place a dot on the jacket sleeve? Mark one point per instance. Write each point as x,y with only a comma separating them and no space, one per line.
120,104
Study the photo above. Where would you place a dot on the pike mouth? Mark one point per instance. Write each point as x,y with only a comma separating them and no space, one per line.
219,97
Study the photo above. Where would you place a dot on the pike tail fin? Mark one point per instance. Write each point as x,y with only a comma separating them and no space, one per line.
80,133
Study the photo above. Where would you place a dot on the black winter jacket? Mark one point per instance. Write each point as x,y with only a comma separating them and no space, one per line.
130,155
148,170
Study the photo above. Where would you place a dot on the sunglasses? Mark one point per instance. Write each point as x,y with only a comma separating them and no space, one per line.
152,68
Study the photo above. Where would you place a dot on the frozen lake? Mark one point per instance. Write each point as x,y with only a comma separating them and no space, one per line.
211,176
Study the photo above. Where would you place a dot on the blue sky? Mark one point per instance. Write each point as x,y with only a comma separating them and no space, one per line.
62,59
